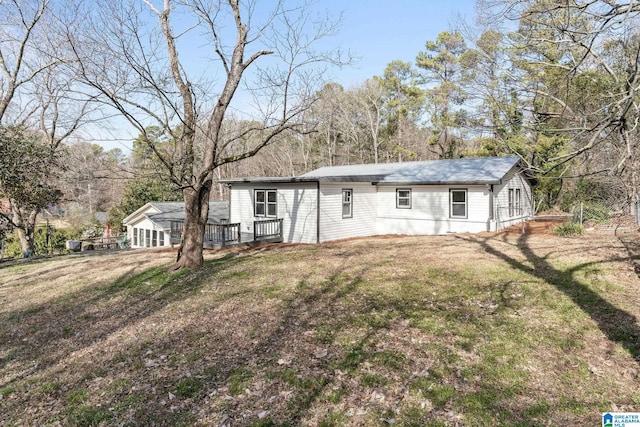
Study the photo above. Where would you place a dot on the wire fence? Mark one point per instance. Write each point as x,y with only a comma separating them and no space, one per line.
607,214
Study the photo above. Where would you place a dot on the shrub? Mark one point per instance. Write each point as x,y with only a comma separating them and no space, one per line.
57,241
569,229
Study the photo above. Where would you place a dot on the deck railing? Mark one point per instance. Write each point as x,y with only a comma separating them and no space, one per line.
214,234
267,229
176,232
222,233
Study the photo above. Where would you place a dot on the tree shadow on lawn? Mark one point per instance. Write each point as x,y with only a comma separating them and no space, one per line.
39,341
616,324
40,336
292,367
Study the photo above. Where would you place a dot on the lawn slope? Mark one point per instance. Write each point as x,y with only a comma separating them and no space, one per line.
405,331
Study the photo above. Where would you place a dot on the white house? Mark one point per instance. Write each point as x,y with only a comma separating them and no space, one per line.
150,226
427,197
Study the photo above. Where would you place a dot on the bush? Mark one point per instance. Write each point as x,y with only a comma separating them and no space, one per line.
569,229
57,241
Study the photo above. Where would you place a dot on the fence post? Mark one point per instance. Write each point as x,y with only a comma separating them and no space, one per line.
581,212
638,212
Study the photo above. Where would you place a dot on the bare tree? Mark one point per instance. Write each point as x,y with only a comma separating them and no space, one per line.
588,52
35,93
363,110
133,54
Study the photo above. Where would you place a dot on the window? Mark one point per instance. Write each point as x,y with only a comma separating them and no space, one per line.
347,203
148,241
510,202
135,237
458,203
515,202
154,240
141,240
266,203
403,198
160,238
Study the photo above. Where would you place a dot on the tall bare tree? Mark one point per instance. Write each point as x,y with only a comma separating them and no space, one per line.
582,59
35,94
135,56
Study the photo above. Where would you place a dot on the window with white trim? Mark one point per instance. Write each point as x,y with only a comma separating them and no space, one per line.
160,238
403,198
458,203
515,202
347,203
511,202
135,236
266,203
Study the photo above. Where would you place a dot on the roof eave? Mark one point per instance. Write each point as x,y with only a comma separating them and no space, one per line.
266,180
410,183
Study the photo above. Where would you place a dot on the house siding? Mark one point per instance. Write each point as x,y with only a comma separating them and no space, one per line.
363,219
429,213
146,224
512,180
296,205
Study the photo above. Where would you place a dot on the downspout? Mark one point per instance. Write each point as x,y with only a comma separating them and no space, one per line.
491,210
318,211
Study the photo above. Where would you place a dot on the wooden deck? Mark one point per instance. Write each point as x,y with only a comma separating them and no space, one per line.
221,235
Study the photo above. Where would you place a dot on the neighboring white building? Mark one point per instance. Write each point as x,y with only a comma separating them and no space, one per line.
415,198
150,226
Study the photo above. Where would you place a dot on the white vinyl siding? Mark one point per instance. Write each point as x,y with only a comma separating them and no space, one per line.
381,209
295,203
513,202
146,234
363,222
429,213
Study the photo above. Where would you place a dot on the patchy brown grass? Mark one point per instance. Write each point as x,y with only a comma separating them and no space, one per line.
496,329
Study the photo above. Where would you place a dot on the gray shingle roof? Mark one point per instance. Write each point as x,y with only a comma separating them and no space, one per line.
486,170
174,211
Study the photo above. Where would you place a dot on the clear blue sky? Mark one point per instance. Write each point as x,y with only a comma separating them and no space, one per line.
380,31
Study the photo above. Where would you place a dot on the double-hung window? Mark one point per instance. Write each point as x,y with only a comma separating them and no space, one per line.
403,198
135,236
266,203
515,202
510,202
347,203
458,203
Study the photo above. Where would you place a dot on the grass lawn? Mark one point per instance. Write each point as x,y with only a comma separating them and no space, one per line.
471,330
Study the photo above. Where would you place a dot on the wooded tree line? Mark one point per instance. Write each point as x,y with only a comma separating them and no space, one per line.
558,88
554,82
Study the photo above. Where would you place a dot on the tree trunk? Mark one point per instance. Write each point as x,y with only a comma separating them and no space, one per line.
25,228
196,214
